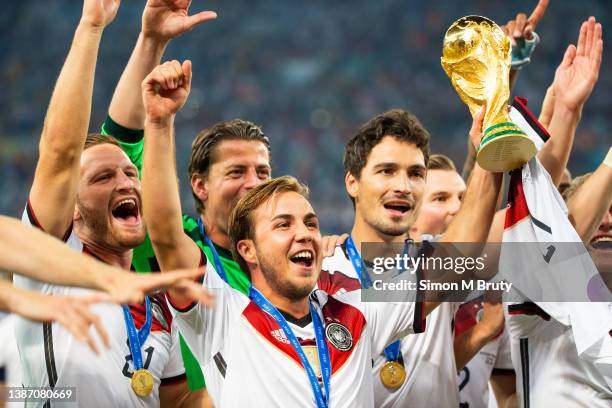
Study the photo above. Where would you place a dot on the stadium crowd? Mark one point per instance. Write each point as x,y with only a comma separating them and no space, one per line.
308,73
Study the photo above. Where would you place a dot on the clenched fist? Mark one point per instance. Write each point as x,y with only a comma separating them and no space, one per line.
165,90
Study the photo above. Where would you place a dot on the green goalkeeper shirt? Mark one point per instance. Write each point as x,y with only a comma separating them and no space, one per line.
132,143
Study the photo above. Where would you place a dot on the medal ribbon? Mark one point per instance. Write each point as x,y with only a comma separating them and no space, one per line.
321,396
137,338
353,254
216,258
392,351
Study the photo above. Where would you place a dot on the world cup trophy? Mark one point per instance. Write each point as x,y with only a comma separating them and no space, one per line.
476,57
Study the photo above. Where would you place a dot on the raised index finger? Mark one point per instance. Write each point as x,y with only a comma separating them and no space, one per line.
538,13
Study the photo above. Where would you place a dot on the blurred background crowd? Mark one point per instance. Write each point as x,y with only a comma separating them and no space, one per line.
310,73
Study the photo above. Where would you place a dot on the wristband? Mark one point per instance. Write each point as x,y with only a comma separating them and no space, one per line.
521,52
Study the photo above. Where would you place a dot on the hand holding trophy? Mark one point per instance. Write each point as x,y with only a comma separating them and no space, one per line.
476,58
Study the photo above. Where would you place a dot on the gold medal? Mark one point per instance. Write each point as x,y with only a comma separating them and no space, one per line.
142,382
392,374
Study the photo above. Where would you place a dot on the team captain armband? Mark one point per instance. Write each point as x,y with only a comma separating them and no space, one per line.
608,160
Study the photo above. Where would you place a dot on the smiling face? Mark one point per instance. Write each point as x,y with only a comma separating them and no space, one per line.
285,252
390,187
237,167
444,193
108,210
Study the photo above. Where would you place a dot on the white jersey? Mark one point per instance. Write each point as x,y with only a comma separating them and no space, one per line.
561,351
51,356
493,357
246,357
428,358
549,372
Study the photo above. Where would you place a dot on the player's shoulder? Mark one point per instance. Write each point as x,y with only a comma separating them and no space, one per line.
524,319
338,256
339,306
338,274
30,218
70,238
338,261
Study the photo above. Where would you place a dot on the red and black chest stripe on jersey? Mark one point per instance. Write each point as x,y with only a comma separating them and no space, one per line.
161,321
517,204
334,311
332,283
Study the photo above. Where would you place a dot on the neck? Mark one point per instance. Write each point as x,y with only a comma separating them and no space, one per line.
296,308
215,233
121,259
414,234
363,232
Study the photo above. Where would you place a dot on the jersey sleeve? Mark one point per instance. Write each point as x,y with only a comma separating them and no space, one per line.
204,328
70,238
175,370
503,360
130,140
524,319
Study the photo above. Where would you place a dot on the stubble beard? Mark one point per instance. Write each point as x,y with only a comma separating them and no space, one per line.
283,287
100,230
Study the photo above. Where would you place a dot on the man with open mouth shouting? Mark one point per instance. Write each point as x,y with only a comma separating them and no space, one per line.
86,191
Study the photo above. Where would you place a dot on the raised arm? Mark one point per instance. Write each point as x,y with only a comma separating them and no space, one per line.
473,221
562,106
29,252
162,20
590,202
573,84
53,192
165,91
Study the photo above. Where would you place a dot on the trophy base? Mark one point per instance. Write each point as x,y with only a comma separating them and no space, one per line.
505,151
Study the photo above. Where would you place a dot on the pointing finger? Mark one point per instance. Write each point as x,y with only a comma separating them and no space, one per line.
538,13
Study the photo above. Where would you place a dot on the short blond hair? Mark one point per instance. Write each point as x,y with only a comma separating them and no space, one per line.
440,162
575,186
241,223
94,139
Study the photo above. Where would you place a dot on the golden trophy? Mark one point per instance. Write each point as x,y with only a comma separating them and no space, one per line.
476,57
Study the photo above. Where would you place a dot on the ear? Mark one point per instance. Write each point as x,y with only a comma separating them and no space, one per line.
352,185
76,215
199,187
246,249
